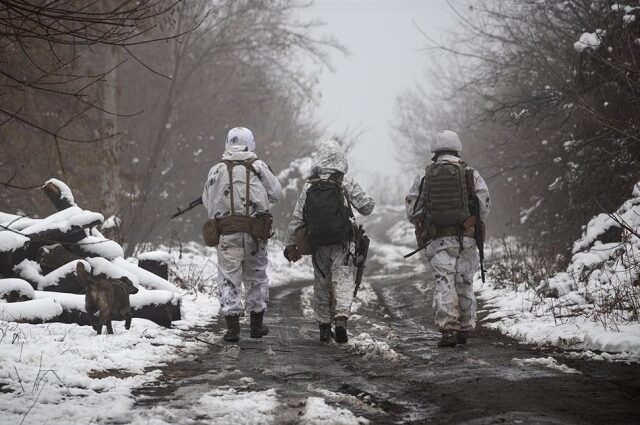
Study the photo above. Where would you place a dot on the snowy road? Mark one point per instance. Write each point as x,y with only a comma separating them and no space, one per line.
390,372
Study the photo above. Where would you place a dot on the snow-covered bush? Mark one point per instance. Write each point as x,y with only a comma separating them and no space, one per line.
596,296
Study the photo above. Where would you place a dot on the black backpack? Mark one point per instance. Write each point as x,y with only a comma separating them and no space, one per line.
326,213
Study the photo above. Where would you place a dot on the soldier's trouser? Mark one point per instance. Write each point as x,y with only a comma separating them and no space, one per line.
454,303
242,259
333,292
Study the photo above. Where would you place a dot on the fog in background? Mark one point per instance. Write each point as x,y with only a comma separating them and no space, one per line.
386,57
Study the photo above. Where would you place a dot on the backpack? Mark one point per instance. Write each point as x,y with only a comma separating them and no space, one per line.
446,194
326,213
447,190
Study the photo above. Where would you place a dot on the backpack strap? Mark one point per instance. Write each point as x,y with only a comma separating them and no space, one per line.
248,165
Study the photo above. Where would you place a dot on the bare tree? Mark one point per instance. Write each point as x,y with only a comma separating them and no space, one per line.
547,95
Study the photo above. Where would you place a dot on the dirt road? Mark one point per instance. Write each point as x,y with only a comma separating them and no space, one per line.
395,373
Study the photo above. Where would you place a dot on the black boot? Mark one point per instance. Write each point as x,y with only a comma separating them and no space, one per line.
325,332
461,337
341,330
448,339
258,329
233,329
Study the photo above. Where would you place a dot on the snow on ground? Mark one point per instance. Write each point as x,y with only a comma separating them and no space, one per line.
317,412
519,315
230,406
67,374
547,362
369,347
592,306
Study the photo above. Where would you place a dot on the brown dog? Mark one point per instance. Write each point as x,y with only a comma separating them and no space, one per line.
106,296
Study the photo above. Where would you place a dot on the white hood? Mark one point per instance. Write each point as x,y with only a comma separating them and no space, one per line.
242,137
329,158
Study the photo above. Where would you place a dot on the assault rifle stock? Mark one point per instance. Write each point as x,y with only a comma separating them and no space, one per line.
362,251
479,225
191,206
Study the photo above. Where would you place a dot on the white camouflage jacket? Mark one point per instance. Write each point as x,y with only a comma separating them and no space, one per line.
264,188
328,160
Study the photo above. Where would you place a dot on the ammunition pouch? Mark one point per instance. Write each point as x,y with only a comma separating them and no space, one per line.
302,240
259,227
210,233
427,232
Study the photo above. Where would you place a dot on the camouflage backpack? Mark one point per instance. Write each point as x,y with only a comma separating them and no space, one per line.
447,204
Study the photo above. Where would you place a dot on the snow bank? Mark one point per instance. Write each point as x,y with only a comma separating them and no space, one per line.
30,311
22,287
69,373
593,305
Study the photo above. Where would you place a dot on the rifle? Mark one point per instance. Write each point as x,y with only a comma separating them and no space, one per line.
414,252
479,225
191,206
362,251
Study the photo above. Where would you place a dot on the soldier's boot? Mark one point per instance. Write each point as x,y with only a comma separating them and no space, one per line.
233,329
461,337
258,329
325,332
448,339
341,330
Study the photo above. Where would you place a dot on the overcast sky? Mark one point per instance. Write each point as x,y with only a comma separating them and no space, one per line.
384,60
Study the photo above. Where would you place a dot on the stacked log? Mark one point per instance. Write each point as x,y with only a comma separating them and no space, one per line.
38,258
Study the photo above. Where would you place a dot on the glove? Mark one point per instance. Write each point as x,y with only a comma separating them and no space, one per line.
291,253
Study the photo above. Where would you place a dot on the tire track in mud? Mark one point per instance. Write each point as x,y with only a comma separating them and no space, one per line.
391,371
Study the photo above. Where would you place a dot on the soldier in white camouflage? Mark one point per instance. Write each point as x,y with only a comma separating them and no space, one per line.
241,258
333,263
451,248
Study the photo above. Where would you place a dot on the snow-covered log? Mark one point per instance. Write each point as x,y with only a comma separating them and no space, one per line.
44,253
146,278
156,262
59,194
54,257
96,245
160,307
64,227
15,290
62,279
33,311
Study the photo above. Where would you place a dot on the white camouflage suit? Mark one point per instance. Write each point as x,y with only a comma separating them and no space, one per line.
334,282
454,303
240,257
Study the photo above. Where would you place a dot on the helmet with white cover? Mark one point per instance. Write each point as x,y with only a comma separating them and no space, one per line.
446,140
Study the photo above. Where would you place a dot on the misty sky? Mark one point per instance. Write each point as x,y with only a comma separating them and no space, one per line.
384,60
